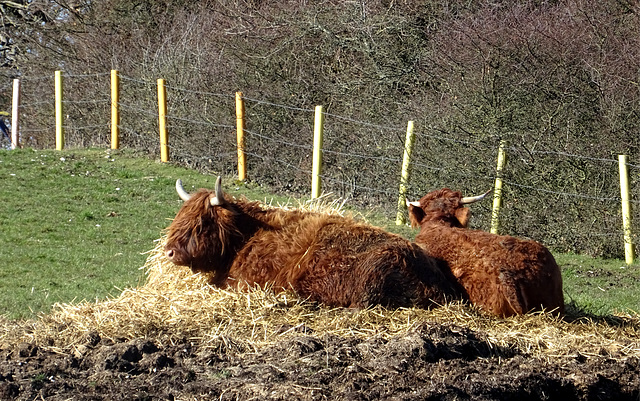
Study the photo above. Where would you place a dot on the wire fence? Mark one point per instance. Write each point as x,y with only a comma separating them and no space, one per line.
569,201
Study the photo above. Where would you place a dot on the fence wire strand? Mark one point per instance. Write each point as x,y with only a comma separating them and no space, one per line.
139,127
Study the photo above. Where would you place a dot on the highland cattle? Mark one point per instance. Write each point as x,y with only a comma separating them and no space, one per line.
502,274
323,257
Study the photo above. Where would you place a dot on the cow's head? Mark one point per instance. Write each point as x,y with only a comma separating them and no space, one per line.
443,206
203,233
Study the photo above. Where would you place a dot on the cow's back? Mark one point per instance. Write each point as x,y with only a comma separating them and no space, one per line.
503,274
341,262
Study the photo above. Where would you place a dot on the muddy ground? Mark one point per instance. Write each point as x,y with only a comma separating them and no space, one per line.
432,362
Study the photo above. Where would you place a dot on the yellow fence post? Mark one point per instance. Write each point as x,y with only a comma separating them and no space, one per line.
242,158
59,111
404,177
626,209
115,113
497,191
318,132
162,120
15,115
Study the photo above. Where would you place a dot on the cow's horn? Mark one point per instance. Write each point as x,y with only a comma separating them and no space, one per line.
472,199
218,200
181,192
409,203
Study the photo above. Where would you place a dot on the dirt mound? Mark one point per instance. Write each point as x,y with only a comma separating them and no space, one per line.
176,338
432,362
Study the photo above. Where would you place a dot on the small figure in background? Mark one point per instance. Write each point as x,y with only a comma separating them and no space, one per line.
4,129
6,132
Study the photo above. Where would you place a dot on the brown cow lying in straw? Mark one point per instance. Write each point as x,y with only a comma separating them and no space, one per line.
502,274
325,258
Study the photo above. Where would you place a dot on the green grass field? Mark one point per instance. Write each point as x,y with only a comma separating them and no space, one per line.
76,224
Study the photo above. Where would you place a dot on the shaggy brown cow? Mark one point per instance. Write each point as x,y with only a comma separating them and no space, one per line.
325,258
502,274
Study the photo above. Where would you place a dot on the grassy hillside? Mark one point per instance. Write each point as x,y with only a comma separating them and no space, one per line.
76,224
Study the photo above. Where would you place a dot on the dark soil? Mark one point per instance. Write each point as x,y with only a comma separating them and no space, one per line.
430,363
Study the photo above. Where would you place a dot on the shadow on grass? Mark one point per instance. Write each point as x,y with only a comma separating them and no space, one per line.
574,313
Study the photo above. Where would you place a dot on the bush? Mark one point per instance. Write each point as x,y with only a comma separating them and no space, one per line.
555,79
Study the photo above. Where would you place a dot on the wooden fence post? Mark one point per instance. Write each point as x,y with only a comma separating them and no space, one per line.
15,115
318,132
59,111
497,191
242,158
162,120
626,209
115,112
406,171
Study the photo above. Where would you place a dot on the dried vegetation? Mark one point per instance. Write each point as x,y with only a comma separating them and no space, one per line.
174,305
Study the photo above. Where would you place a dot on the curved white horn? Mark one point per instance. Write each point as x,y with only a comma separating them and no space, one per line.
473,199
218,200
409,203
181,192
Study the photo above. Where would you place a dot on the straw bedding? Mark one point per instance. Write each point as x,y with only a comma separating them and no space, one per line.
175,304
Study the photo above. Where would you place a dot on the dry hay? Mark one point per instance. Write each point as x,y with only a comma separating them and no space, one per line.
175,304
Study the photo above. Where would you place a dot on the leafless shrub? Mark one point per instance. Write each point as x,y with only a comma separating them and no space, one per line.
546,76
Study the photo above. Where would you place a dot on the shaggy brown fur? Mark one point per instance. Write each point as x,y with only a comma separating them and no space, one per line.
503,274
326,258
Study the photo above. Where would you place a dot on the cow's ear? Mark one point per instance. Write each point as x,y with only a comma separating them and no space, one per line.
463,214
416,214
